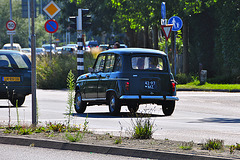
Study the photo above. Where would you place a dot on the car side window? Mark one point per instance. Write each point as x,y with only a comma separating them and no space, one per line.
118,63
99,67
109,63
3,57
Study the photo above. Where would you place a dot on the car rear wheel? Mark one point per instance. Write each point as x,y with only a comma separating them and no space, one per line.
114,104
133,107
17,101
168,107
79,105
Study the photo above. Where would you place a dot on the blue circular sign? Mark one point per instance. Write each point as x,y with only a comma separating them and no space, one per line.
177,23
51,26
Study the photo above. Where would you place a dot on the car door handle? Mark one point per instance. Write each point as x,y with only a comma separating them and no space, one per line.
107,75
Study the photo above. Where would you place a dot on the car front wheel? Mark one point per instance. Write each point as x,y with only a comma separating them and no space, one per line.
79,105
168,107
17,101
114,105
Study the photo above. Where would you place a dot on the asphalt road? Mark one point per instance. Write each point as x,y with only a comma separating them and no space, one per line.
198,116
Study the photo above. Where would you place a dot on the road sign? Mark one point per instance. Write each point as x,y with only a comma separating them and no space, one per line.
51,26
167,30
51,9
177,23
11,32
11,25
163,10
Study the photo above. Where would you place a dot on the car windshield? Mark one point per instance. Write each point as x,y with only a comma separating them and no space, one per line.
147,63
18,59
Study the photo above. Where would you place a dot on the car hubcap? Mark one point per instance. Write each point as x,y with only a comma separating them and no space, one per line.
112,104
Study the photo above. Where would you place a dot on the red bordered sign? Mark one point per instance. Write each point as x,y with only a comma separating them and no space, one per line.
167,30
11,25
51,26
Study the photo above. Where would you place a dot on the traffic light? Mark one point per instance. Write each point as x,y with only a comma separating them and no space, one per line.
86,19
73,22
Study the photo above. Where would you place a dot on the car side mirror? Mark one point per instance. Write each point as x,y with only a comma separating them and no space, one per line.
90,69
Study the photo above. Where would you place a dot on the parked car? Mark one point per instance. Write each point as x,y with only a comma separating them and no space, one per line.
40,51
90,44
16,46
15,76
59,50
129,76
104,47
69,50
49,48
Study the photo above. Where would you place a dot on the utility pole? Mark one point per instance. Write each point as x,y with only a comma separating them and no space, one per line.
11,35
33,57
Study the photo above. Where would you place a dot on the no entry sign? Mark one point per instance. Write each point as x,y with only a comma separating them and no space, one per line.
11,25
51,26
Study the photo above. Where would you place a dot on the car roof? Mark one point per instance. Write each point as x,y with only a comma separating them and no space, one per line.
3,51
134,50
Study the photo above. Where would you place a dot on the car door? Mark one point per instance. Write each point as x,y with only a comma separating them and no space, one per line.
104,81
91,90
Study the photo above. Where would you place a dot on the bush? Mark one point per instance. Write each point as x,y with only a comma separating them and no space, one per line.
182,78
52,74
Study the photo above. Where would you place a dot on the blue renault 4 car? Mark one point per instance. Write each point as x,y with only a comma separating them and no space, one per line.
129,76
15,76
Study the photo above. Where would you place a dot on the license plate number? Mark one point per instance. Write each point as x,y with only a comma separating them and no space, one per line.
150,84
11,79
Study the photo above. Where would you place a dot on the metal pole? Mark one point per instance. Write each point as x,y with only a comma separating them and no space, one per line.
11,36
175,56
33,76
29,26
80,58
166,48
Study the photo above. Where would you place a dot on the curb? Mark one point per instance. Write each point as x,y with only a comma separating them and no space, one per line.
103,149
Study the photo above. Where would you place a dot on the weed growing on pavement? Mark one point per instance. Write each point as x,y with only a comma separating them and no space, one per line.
56,127
233,148
24,131
70,86
77,136
186,145
213,144
118,140
142,128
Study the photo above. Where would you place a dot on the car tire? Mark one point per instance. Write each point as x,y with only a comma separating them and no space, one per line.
79,105
14,99
114,104
168,107
133,107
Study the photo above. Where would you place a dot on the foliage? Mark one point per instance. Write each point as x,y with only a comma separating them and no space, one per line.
75,137
208,86
52,74
213,144
142,128
186,146
21,29
71,87
182,78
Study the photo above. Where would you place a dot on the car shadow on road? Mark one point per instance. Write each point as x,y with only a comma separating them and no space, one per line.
121,115
218,120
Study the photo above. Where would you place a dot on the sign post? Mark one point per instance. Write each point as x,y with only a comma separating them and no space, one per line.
177,25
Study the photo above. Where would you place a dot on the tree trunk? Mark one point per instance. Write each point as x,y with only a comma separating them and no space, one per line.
155,37
185,46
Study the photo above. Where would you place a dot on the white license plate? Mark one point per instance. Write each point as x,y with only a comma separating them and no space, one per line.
150,84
